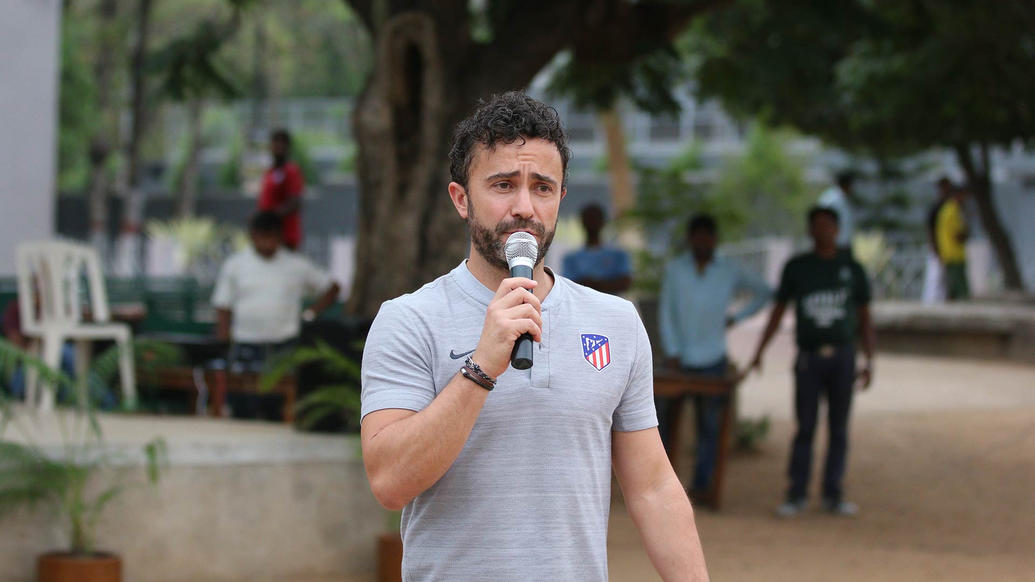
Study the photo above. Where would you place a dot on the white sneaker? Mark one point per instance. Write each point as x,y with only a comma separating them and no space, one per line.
842,508
789,509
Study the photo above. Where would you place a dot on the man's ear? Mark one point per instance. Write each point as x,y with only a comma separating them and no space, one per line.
458,194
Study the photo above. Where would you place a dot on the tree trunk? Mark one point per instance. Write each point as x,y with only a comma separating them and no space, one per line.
128,261
189,180
107,129
428,74
623,194
408,226
980,186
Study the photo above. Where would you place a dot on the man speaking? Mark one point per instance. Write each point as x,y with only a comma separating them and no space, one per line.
501,473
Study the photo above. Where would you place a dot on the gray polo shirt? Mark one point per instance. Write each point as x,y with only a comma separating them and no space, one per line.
528,497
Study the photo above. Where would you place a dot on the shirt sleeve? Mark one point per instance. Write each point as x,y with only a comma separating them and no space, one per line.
785,292
760,293
225,292
294,181
396,370
636,409
316,280
862,292
668,326
623,266
266,201
569,267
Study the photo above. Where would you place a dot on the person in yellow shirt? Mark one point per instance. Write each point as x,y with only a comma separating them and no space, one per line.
951,233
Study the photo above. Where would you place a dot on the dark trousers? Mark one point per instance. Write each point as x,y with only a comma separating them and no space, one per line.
829,373
708,411
254,357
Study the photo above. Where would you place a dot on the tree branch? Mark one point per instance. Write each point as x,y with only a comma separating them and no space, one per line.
364,9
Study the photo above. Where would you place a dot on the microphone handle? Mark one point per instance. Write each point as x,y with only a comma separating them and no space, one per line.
521,357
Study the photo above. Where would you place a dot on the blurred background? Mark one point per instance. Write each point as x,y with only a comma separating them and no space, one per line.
139,132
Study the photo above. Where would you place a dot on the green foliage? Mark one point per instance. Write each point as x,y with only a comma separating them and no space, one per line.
148,357
750,432
189,66
762,190
325,401
80,478
11,358
230,171
301,156
646,81
667,198
884,77
76,110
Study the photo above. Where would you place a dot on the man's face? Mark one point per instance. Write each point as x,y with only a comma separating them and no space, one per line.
823,229
279,150
265,243
515,187
702,244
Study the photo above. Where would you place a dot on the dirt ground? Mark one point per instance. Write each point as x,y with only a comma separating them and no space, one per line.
942,465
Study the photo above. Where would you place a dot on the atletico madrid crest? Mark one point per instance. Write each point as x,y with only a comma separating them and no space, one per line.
597,350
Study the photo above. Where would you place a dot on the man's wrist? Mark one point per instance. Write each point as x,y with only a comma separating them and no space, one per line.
308,314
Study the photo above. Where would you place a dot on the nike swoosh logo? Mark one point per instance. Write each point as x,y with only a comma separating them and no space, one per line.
457,356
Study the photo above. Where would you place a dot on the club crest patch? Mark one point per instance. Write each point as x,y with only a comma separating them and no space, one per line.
597,350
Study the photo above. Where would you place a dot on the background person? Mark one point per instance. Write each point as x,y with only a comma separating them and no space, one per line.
951,233
934,270
597,265
505,474
258,300
694,312
832,297
841,198
282,186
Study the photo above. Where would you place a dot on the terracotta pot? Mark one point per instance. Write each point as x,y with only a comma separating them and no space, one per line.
389,557
65,567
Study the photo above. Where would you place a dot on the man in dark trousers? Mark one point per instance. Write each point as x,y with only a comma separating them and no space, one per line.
282,186
832,296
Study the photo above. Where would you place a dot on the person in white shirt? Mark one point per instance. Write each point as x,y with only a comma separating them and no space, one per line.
258,301
840,199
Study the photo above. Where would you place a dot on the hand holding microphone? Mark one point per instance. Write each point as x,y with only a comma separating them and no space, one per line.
513,319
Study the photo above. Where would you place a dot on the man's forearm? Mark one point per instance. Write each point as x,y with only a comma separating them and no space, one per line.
223,317
406,457
666,523
868,337
327,299
770,329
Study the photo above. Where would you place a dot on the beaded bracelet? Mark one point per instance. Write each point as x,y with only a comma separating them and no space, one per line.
467,373
470,365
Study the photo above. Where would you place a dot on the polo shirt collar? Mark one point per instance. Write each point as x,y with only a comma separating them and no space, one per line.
483,295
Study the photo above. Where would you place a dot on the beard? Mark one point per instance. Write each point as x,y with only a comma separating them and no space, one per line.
488,244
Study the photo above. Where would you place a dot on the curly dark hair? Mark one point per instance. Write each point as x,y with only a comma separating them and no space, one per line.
506,118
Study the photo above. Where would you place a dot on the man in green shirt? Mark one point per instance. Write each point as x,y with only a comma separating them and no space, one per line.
831,295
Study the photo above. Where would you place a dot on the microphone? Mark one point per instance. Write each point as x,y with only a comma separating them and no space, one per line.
521,250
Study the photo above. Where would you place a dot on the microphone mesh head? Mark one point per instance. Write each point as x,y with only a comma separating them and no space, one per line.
521,245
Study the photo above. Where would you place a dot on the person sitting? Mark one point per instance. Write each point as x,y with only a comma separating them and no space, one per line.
258,301
598,266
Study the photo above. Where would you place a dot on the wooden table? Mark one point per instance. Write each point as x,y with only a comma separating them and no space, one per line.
219,383
671,383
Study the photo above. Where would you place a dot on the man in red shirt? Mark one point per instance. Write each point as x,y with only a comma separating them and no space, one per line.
282,189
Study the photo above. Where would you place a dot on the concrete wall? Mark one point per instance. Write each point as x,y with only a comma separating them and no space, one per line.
30,44
239,501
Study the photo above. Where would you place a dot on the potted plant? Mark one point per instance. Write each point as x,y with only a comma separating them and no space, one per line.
77,479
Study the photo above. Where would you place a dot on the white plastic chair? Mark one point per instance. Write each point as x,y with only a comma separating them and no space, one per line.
51,271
